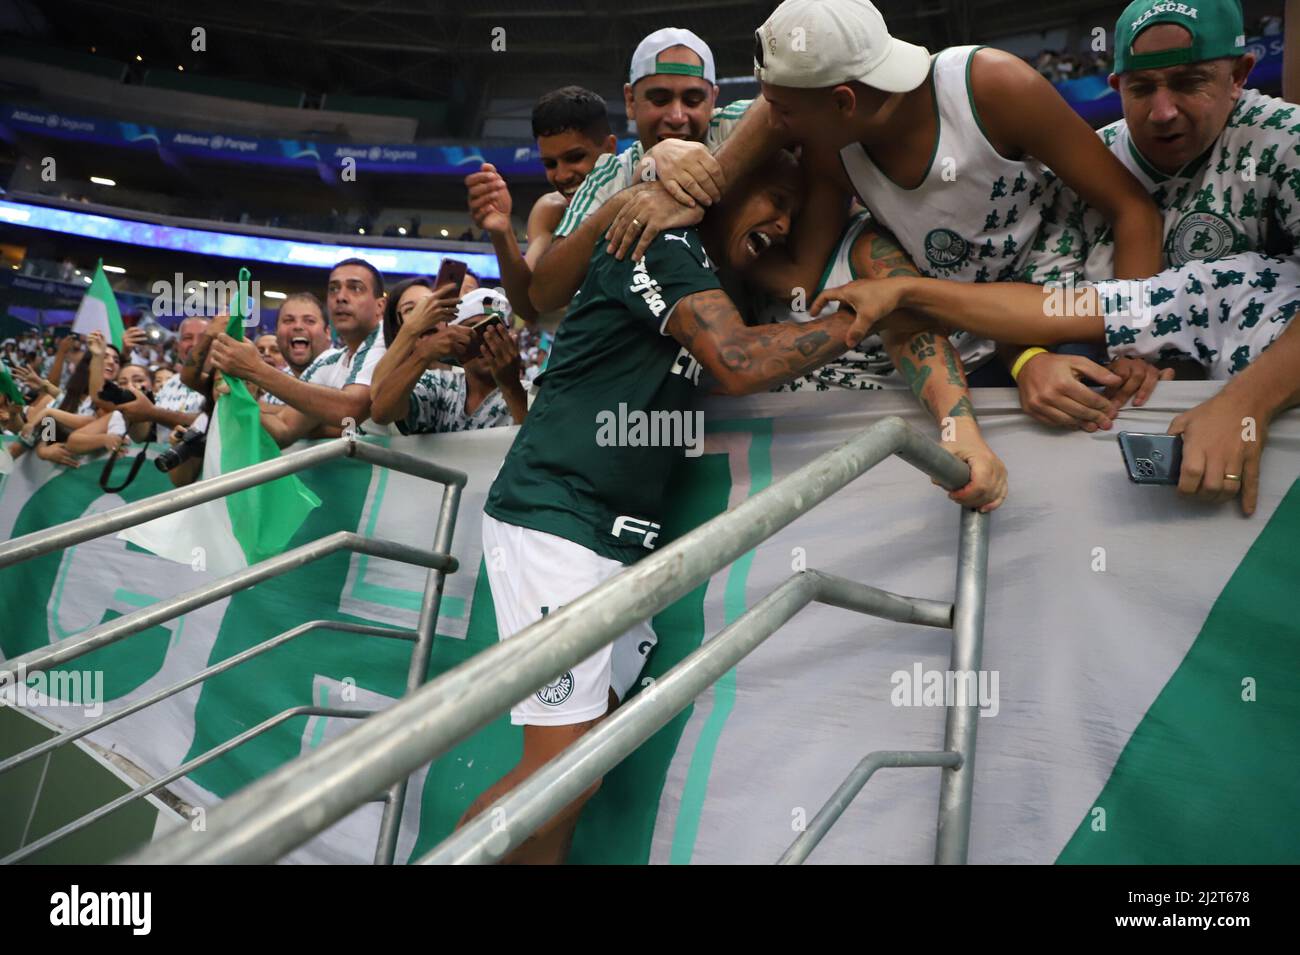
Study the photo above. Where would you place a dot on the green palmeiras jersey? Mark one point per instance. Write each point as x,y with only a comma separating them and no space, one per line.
1241,195
616,406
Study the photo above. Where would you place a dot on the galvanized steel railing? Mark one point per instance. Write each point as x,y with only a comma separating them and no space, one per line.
438,560
293,803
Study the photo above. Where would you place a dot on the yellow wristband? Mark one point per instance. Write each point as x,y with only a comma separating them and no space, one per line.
1025,355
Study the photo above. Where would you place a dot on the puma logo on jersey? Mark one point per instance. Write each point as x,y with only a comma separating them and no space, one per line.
682,239
648,530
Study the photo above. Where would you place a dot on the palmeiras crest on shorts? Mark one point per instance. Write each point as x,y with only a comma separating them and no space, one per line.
946,250
553,694
1201,235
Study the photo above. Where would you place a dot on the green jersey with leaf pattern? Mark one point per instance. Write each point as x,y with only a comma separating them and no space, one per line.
1240,195
1222,313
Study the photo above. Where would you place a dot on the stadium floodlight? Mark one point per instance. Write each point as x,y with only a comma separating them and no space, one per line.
101,181
232,245
401,230
117,269
270,294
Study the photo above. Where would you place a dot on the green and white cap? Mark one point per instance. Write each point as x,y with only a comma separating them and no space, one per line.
811,44
483,301
1216,27
645,61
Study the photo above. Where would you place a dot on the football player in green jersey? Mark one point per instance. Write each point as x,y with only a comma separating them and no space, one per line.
578,497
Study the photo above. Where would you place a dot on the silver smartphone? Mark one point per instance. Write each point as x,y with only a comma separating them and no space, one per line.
1151,458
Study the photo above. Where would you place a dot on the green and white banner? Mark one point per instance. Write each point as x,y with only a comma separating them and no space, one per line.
1140,694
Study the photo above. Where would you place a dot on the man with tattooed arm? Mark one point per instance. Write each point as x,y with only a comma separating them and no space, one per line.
575,500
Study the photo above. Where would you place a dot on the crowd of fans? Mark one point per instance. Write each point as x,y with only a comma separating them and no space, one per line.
684,264
69,408
1057,66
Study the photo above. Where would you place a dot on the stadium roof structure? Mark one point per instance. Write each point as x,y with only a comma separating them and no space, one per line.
411,49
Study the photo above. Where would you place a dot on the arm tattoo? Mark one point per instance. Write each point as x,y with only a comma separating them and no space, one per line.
962,409
922,345
885,257
916,379
809,344
764,355
950,360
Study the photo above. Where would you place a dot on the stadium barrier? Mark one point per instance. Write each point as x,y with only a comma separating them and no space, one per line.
302,798
438,560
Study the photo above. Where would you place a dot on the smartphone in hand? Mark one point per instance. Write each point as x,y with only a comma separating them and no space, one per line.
451,272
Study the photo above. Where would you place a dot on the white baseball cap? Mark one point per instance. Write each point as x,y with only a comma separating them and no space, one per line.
810,44
645,61
482,301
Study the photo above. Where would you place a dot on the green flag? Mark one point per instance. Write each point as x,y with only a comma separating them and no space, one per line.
242,528
98,311
9,388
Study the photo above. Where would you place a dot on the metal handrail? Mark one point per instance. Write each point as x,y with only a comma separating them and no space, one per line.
493,833
118,628
129,515
81,822
386,846
828,815
439,561
269,817
69,736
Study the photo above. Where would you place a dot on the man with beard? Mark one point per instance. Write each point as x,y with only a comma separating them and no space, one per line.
301,334
334,391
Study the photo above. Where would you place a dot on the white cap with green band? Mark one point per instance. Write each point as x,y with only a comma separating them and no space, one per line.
645,61
482,301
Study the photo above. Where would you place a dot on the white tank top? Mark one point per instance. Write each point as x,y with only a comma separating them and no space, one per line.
974,216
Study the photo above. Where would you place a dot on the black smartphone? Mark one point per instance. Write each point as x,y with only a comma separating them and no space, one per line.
1151,458
115,394
486,323
478,328
451,272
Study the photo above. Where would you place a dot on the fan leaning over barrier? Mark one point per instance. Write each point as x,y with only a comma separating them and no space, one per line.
581,491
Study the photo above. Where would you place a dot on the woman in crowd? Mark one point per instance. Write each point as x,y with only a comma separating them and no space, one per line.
416,389
111,430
